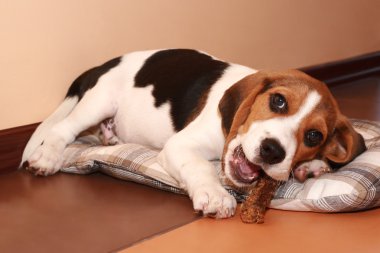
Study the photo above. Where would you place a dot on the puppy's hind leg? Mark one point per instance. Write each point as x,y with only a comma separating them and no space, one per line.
96,105
108,135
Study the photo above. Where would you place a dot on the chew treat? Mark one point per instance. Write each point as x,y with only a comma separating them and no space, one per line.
259,198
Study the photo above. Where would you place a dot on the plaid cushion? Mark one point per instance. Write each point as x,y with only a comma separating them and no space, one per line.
354,187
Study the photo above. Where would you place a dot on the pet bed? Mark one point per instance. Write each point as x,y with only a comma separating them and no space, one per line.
354,187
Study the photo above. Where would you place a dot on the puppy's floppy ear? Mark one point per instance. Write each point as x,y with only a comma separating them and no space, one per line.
236,102
345,143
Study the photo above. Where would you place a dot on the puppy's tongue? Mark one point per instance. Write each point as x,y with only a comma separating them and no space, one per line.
244,170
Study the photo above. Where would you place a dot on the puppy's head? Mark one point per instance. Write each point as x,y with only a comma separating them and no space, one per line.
275,120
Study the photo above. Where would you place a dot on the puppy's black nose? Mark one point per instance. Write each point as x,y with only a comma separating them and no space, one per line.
271,151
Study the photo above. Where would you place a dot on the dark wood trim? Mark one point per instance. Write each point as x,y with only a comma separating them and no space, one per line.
350,69
12,143
13,140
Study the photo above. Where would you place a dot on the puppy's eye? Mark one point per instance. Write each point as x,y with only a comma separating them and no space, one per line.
278,103
313,138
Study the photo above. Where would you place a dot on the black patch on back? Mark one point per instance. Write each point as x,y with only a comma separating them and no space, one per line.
180,77
88,79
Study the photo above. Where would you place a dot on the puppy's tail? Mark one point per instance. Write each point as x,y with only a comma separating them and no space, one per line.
43,129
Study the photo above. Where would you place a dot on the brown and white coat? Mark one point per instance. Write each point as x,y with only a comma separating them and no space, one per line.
197,108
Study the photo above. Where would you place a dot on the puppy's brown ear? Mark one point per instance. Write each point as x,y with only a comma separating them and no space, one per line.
345,143
236,102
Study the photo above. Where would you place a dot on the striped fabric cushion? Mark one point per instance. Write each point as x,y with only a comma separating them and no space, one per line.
354,187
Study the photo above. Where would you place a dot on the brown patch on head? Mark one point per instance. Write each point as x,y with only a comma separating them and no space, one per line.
344,144
247,100
294,96
322,120
318,121
340,143
235,104
294,86
254,99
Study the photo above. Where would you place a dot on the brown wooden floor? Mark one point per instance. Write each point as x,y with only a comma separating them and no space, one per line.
74,213
282,232
96,213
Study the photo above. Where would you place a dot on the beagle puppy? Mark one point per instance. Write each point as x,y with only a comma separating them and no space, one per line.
197,108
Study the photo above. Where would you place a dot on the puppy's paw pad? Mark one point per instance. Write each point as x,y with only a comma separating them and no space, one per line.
314,168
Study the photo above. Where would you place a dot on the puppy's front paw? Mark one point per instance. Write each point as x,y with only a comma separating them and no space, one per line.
46,160
314,168
214,201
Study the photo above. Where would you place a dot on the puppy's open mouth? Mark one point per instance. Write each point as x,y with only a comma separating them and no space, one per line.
242,169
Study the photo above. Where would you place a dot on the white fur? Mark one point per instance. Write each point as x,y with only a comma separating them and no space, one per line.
185,155
153,130
98,104
134,104
260,130
42,130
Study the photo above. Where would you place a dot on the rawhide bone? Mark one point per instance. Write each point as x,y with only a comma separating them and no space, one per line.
259,198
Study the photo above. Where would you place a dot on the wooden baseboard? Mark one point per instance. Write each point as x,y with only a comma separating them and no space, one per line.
346,70
13,141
